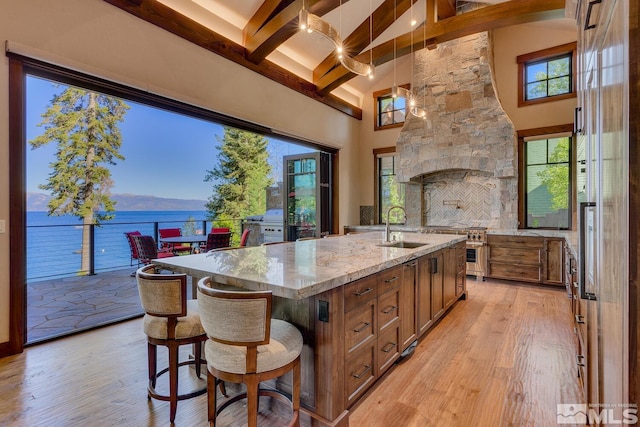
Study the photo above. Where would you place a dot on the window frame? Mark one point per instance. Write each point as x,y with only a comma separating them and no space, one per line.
546,133
546,55
385,93
377,154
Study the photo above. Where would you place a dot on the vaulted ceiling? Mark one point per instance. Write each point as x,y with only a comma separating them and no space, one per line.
264,36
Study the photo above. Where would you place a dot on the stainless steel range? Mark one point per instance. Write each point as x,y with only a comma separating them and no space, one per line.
476,247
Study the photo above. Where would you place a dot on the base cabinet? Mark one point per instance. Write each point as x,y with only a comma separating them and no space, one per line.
526,259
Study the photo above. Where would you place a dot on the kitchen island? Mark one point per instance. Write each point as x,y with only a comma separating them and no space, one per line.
359,301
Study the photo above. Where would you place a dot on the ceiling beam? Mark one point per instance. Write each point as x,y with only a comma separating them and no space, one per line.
500,15
168,19
360,38
445,9
265,32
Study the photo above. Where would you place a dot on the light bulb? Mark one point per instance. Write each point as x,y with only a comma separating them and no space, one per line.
413,22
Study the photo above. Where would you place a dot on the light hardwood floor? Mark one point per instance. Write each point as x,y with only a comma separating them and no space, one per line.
504,356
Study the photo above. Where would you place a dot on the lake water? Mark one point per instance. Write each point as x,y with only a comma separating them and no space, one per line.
54,242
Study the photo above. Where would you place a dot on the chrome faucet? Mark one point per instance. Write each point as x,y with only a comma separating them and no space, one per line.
387,227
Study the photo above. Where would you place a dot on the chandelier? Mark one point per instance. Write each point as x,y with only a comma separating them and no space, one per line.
313,23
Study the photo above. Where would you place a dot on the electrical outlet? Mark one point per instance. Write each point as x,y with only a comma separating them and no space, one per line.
2,226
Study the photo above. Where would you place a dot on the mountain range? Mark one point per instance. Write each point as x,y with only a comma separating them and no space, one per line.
128,202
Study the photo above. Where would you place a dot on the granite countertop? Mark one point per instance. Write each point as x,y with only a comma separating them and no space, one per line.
297,270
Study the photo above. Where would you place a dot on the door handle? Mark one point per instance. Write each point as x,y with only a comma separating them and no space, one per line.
583,270
587,24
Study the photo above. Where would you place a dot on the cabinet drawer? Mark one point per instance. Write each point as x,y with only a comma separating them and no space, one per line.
388,308
359,292
518,241
525,273
388,348
516,255
389,279
360,326
360,373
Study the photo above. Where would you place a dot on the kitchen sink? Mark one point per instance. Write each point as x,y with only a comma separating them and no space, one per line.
403,244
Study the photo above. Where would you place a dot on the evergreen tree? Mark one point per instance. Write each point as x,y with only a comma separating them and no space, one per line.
240,178
85,127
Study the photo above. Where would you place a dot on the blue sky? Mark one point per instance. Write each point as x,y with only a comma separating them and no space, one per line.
166,154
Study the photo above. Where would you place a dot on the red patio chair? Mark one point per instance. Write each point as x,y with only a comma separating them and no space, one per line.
173,232
132,246
244,237
148,249
220,229
217,240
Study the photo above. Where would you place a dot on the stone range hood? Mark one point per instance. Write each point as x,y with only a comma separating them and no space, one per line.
463,156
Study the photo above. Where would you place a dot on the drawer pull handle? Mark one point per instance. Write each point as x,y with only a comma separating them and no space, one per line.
393,279
364,326
575,285
361,374
579,318
360,293
390,346
389,309
579,358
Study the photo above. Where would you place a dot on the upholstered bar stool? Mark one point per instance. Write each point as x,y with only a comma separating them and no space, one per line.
172,321
246,346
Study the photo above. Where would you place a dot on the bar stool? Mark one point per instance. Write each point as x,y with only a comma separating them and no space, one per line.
170,320
246,346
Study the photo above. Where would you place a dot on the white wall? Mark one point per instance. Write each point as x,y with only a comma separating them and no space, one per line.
100,39
508,44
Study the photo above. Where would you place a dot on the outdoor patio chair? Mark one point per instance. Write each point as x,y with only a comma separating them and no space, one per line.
173,232
217,240
148,249
244,237
132,246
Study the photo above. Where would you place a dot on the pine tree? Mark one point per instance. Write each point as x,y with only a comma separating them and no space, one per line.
85,127
240,178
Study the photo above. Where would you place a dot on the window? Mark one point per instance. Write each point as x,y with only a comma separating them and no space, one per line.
389,191
546,75
390,112
547,182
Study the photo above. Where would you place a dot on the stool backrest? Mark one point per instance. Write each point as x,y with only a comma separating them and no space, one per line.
162,295
235,317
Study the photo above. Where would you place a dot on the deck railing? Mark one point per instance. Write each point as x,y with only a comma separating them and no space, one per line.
56,250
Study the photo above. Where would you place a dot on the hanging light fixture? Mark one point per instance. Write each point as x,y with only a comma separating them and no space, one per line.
313,23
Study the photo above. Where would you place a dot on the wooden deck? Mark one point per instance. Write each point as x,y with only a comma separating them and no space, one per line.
504,356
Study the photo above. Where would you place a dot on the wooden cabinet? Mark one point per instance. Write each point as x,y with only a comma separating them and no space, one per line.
423,303
449,275
408,305
553,262
526,259
386,312
371,329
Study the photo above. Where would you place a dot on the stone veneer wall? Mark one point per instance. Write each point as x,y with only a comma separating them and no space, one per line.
467,130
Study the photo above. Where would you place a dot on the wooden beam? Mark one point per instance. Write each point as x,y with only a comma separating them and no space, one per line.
445,9
273,30
383,17
501,15
168,19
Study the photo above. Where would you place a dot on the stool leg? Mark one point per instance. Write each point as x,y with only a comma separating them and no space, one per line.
212,398
251,381
295,398
173,380
152,364
198,357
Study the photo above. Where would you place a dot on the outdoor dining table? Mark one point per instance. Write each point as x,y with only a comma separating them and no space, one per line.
181,240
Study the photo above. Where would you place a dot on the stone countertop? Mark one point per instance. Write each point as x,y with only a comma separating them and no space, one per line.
298,270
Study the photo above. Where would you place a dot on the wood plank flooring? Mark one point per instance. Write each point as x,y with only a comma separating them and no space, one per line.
504,356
